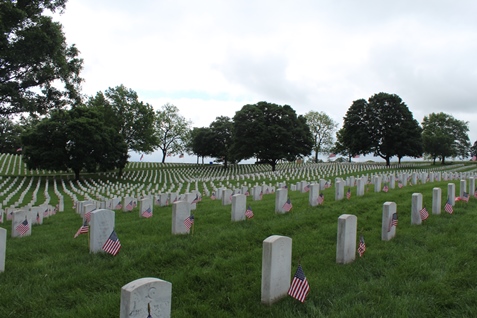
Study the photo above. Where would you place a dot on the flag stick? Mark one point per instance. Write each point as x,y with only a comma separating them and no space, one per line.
192,228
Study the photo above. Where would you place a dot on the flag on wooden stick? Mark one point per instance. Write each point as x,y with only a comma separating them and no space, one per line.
299,287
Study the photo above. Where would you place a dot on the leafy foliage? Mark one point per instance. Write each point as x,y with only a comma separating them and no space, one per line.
383,125
322,128
171,130
34,57
445,136
76,139
132,118
270,132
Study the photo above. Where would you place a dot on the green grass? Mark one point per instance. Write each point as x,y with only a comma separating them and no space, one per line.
425,271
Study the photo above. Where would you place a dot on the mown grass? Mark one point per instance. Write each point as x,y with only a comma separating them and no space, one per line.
425,271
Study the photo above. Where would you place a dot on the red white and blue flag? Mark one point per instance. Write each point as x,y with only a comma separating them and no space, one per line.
287,206
249,213
299,287
147,213
189,221
112,244
424,214
23,227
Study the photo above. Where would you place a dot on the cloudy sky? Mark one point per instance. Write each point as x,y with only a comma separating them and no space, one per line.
209,58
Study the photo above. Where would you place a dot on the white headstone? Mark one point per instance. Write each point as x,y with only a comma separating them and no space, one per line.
281,197
180,211
145,208
3,248
21,223
313,194
239,205
346,240
276,268
100,228
436,200
146,297
451,193
415,208
389,221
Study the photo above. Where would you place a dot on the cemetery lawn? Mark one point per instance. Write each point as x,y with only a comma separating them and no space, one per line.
425,271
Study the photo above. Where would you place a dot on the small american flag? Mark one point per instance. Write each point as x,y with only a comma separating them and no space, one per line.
83,229
112,244
321,199
119,206
362,246
307,188
287,206
261,195
147,213
424,214
196,199
189,221
249,213
37,217
394,221
46,213
400,185
465,197
212,197
23,227
385,188
9,215
87,216
448,207
130,206
348,194
299,287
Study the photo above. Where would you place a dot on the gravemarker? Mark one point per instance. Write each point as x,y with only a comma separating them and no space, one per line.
146,297
346,240
415,208
436,200
281,197
388,228
276,268
3,248
180,211
239,203
451,193
100,228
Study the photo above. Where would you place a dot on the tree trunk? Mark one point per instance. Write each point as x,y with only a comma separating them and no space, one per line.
77,174
273,163
349,158
434,163
443,160
388,161
163,155
197,159
225,163
316,156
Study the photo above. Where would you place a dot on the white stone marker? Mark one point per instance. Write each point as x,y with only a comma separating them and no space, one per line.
377,183
313,194
180,211
146,296
471,186
346,240
389,221
451,193
281,197
36,215
145,208
239,205
3,248
415,208
339,190
227,197
100,228
21,223
129,203
436,200
257,193
276,268
463,188
361,182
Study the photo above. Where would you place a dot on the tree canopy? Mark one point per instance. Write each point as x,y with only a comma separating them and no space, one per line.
383,125
132,118
322,128
171,130
77,139
220,139
34,59
444,136
270,132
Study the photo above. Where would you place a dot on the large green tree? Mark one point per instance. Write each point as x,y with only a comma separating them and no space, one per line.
132,118
35,59
270,132
10,141
221,130
445,136
171,130
200,142
322,128
77,139
383,126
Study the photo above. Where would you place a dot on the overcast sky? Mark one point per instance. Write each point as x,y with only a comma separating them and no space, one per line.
209,58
